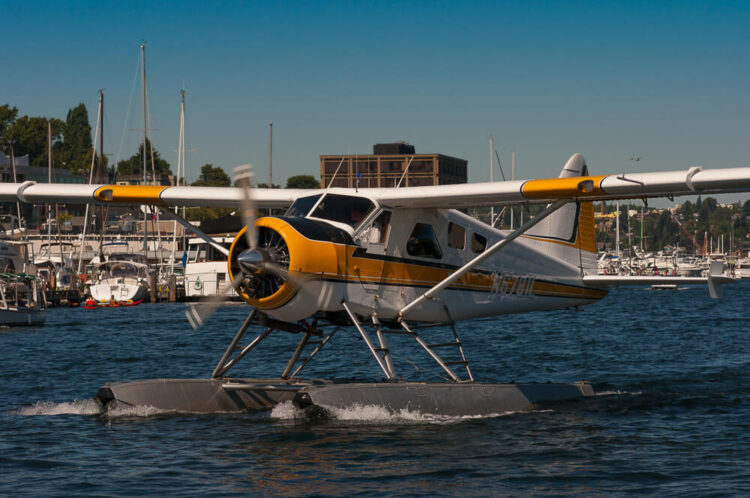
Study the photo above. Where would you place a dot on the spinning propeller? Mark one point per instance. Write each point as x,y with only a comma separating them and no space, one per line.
261,266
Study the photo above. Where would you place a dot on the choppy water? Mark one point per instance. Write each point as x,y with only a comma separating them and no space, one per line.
672,417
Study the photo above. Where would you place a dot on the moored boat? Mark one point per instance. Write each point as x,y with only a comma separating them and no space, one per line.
21,300
120,281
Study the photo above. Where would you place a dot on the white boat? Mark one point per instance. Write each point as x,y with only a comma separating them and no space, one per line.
21,300
121,280
688,267
54,266
14,257
742,269
206,269
10,228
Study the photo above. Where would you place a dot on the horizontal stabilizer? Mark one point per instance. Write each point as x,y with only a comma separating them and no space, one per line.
714,281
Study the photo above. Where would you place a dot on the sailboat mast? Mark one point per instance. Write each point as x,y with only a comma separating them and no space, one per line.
49,180
91,180
180,168
101,173
143,80
492,177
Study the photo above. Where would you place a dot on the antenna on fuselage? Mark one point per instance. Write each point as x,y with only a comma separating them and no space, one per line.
406,170
336,172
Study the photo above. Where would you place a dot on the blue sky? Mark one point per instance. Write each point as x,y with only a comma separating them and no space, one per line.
667,81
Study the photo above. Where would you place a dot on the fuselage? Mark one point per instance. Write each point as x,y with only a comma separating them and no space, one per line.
343,248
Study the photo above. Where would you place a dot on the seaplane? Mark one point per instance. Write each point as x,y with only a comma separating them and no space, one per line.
382,261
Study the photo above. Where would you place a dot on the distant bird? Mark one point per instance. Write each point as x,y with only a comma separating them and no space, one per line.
636,159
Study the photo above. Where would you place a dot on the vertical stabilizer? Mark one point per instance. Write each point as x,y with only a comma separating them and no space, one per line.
571,231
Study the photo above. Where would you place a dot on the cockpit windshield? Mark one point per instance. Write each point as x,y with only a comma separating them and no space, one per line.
343,209
303,205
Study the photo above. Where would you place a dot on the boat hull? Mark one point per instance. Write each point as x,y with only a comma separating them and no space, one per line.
105,290
22,317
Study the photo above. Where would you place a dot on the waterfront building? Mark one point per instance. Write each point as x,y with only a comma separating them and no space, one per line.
386,165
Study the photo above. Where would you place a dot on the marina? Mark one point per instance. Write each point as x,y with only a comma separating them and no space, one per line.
281,259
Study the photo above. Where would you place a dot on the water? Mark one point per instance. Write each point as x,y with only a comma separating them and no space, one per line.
672,417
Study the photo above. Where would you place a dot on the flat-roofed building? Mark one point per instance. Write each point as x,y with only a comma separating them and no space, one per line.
386,166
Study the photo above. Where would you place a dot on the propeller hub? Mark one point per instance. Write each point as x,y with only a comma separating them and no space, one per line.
253,260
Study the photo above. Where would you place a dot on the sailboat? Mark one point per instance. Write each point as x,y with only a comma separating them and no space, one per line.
123,278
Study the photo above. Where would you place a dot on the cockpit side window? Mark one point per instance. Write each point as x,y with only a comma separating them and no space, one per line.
343,209
423,242
303,205
456,236
377,232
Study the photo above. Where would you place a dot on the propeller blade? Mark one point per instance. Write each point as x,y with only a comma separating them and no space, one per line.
296,280
199,313
243,177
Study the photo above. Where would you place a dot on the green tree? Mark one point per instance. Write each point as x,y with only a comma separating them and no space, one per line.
29,136
134,164
77,147
212,177
302,181
8,115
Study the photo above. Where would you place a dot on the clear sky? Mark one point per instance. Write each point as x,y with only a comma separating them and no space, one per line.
665,81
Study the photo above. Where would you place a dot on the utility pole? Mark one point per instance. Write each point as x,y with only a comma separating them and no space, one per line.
270,155
512,177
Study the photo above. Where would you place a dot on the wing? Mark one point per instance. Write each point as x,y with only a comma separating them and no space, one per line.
692,181
151,194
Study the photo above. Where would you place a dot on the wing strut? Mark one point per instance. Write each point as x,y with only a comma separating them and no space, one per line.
182,221
551,208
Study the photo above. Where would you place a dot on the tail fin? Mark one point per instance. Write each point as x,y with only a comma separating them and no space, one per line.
571,230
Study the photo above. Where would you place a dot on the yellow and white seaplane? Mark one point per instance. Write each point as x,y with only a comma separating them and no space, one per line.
393,260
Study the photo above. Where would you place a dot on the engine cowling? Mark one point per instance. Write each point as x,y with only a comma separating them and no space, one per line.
294,270
260,287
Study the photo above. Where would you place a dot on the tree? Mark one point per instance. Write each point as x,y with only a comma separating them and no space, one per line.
77,147
134,164
212,177
8,114
29,136
302,181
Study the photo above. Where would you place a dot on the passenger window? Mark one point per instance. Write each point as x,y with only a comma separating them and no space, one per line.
456,236
423,242
478,243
